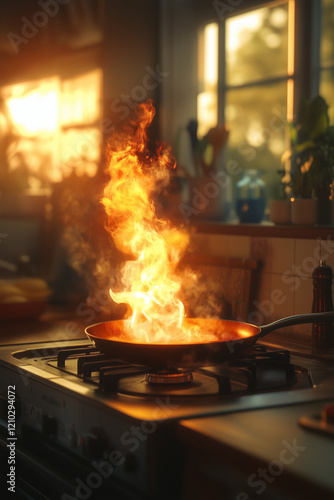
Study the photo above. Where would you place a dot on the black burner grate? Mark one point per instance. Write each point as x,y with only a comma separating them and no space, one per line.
258,371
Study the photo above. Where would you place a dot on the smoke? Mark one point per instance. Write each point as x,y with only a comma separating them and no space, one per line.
203,293
89,249
98,228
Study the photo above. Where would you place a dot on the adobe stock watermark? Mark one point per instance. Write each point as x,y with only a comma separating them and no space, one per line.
277,123
85,310
121,106
71,330
213,185
131,440
294,277
31,27
139,93
227,7
263,477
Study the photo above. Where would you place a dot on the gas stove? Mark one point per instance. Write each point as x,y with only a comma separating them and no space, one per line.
95,427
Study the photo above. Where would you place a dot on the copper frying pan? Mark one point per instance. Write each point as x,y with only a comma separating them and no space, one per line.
233,338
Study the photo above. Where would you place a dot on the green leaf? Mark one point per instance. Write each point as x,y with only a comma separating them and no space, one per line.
319,111
313,117
293,134
320,127
304,145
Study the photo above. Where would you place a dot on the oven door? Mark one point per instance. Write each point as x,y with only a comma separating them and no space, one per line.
45,472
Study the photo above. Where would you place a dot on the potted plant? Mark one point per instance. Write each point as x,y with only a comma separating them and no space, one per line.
312,159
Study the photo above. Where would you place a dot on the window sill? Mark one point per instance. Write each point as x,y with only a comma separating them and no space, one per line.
265,229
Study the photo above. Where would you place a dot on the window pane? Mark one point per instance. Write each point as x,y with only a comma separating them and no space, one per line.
29,162
80,151
37,149
33,106
326,90
80,99
256,118
327,33
256,45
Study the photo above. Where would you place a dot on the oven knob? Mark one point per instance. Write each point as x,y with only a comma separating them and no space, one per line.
49,425
94,443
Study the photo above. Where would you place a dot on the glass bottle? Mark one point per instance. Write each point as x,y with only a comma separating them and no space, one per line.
250,197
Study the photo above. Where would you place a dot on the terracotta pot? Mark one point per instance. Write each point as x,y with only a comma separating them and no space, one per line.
304,211
280,211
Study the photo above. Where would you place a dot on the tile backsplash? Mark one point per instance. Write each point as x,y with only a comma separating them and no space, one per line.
285,275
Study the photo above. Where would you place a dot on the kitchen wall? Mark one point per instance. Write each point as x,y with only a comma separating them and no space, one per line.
131,65
285,276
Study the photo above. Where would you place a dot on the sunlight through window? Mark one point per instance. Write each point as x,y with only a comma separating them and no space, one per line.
52,127
207,108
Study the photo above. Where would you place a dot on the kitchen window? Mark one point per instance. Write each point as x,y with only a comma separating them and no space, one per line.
255,86
267,57
326,55
50,127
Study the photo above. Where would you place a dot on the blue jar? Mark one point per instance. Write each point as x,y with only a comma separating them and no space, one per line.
250,198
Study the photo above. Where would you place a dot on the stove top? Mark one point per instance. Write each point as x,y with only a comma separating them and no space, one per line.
264,376
259,371
80,403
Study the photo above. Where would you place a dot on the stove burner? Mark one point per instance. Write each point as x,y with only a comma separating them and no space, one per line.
166,377
258,371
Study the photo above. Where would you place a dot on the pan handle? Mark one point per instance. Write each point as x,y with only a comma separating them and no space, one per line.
296,320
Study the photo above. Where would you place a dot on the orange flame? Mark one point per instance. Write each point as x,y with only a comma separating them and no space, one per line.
149,279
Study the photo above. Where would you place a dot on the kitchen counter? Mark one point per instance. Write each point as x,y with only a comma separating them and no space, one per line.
253,442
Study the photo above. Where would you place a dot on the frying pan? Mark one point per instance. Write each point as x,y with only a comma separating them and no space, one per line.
233,338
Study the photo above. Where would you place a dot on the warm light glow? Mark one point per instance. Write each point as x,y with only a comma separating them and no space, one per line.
78,98
291,59
239,29
206,111
243,333
306,166
291,37
210,55
55,123
150,281
289,97
35,112
207,101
